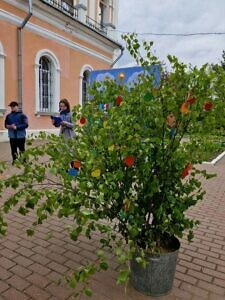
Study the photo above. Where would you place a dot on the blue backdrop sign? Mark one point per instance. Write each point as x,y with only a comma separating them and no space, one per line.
127,76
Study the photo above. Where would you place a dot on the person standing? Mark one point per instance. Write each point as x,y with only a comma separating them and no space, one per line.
66,125
16,122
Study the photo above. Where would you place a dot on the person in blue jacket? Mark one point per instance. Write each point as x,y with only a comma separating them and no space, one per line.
16,122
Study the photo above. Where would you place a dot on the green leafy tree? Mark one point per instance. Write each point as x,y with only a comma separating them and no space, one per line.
137,163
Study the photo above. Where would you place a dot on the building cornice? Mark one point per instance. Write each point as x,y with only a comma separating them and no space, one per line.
4,15
67,24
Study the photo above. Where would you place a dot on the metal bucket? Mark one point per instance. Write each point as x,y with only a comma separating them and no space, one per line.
157,278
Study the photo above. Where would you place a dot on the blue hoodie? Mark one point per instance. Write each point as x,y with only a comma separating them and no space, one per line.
21,122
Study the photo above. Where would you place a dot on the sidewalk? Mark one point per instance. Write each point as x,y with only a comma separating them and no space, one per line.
31,266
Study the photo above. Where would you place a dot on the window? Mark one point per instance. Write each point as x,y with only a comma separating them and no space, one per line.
102,11
47,82
85,79
111,12
106,14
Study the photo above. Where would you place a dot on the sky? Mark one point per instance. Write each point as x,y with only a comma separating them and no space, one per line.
175,16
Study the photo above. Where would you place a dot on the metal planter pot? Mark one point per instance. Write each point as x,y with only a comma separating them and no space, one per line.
157,278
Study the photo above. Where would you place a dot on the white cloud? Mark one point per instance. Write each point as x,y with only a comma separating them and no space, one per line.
176,16
103,76
134,77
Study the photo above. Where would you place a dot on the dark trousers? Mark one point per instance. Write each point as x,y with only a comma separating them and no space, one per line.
17,144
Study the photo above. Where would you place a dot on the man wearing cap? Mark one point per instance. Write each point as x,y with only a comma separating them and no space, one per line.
16,122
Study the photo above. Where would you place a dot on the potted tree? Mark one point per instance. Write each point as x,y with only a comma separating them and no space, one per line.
136,170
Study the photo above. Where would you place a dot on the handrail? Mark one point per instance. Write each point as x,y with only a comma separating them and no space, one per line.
64,7
95,25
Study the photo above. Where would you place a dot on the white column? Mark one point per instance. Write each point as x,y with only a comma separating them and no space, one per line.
36,71
56,91
82,10
110,21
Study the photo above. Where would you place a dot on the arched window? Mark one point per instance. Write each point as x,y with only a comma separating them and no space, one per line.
85,79
45,76
47,82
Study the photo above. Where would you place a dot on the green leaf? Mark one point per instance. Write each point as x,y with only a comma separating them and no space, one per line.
88,292
123,276
30,232
103,265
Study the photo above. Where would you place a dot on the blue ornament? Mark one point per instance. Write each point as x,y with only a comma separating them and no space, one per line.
73,172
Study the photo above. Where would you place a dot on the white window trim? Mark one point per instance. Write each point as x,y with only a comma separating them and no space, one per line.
56,79
84,68
2,79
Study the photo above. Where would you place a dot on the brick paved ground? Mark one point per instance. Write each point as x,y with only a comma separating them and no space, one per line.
31,267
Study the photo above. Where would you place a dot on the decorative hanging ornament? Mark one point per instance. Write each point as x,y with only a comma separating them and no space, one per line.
184,108
148,96
129,160
104,106
82,121
186,170
171,120
96,173
208,106
119,100
191,99
73,172
75,164
121,76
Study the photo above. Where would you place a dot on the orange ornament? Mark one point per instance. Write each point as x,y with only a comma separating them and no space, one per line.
75,164
186,170
184,108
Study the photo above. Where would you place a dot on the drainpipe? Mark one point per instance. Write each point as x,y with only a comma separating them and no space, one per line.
116,60
20,67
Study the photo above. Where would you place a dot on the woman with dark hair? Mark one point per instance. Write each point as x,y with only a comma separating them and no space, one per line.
66,123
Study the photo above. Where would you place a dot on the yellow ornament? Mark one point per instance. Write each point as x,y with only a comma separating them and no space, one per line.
96,173
105,124
121,76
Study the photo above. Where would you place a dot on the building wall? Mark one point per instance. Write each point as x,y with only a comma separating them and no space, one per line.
73,46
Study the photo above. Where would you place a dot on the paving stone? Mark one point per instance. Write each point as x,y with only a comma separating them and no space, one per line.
37,293
13,294
38,268
18,282
3,286
38,280
6,263
20,271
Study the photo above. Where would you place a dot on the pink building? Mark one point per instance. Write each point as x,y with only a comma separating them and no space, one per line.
47,49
